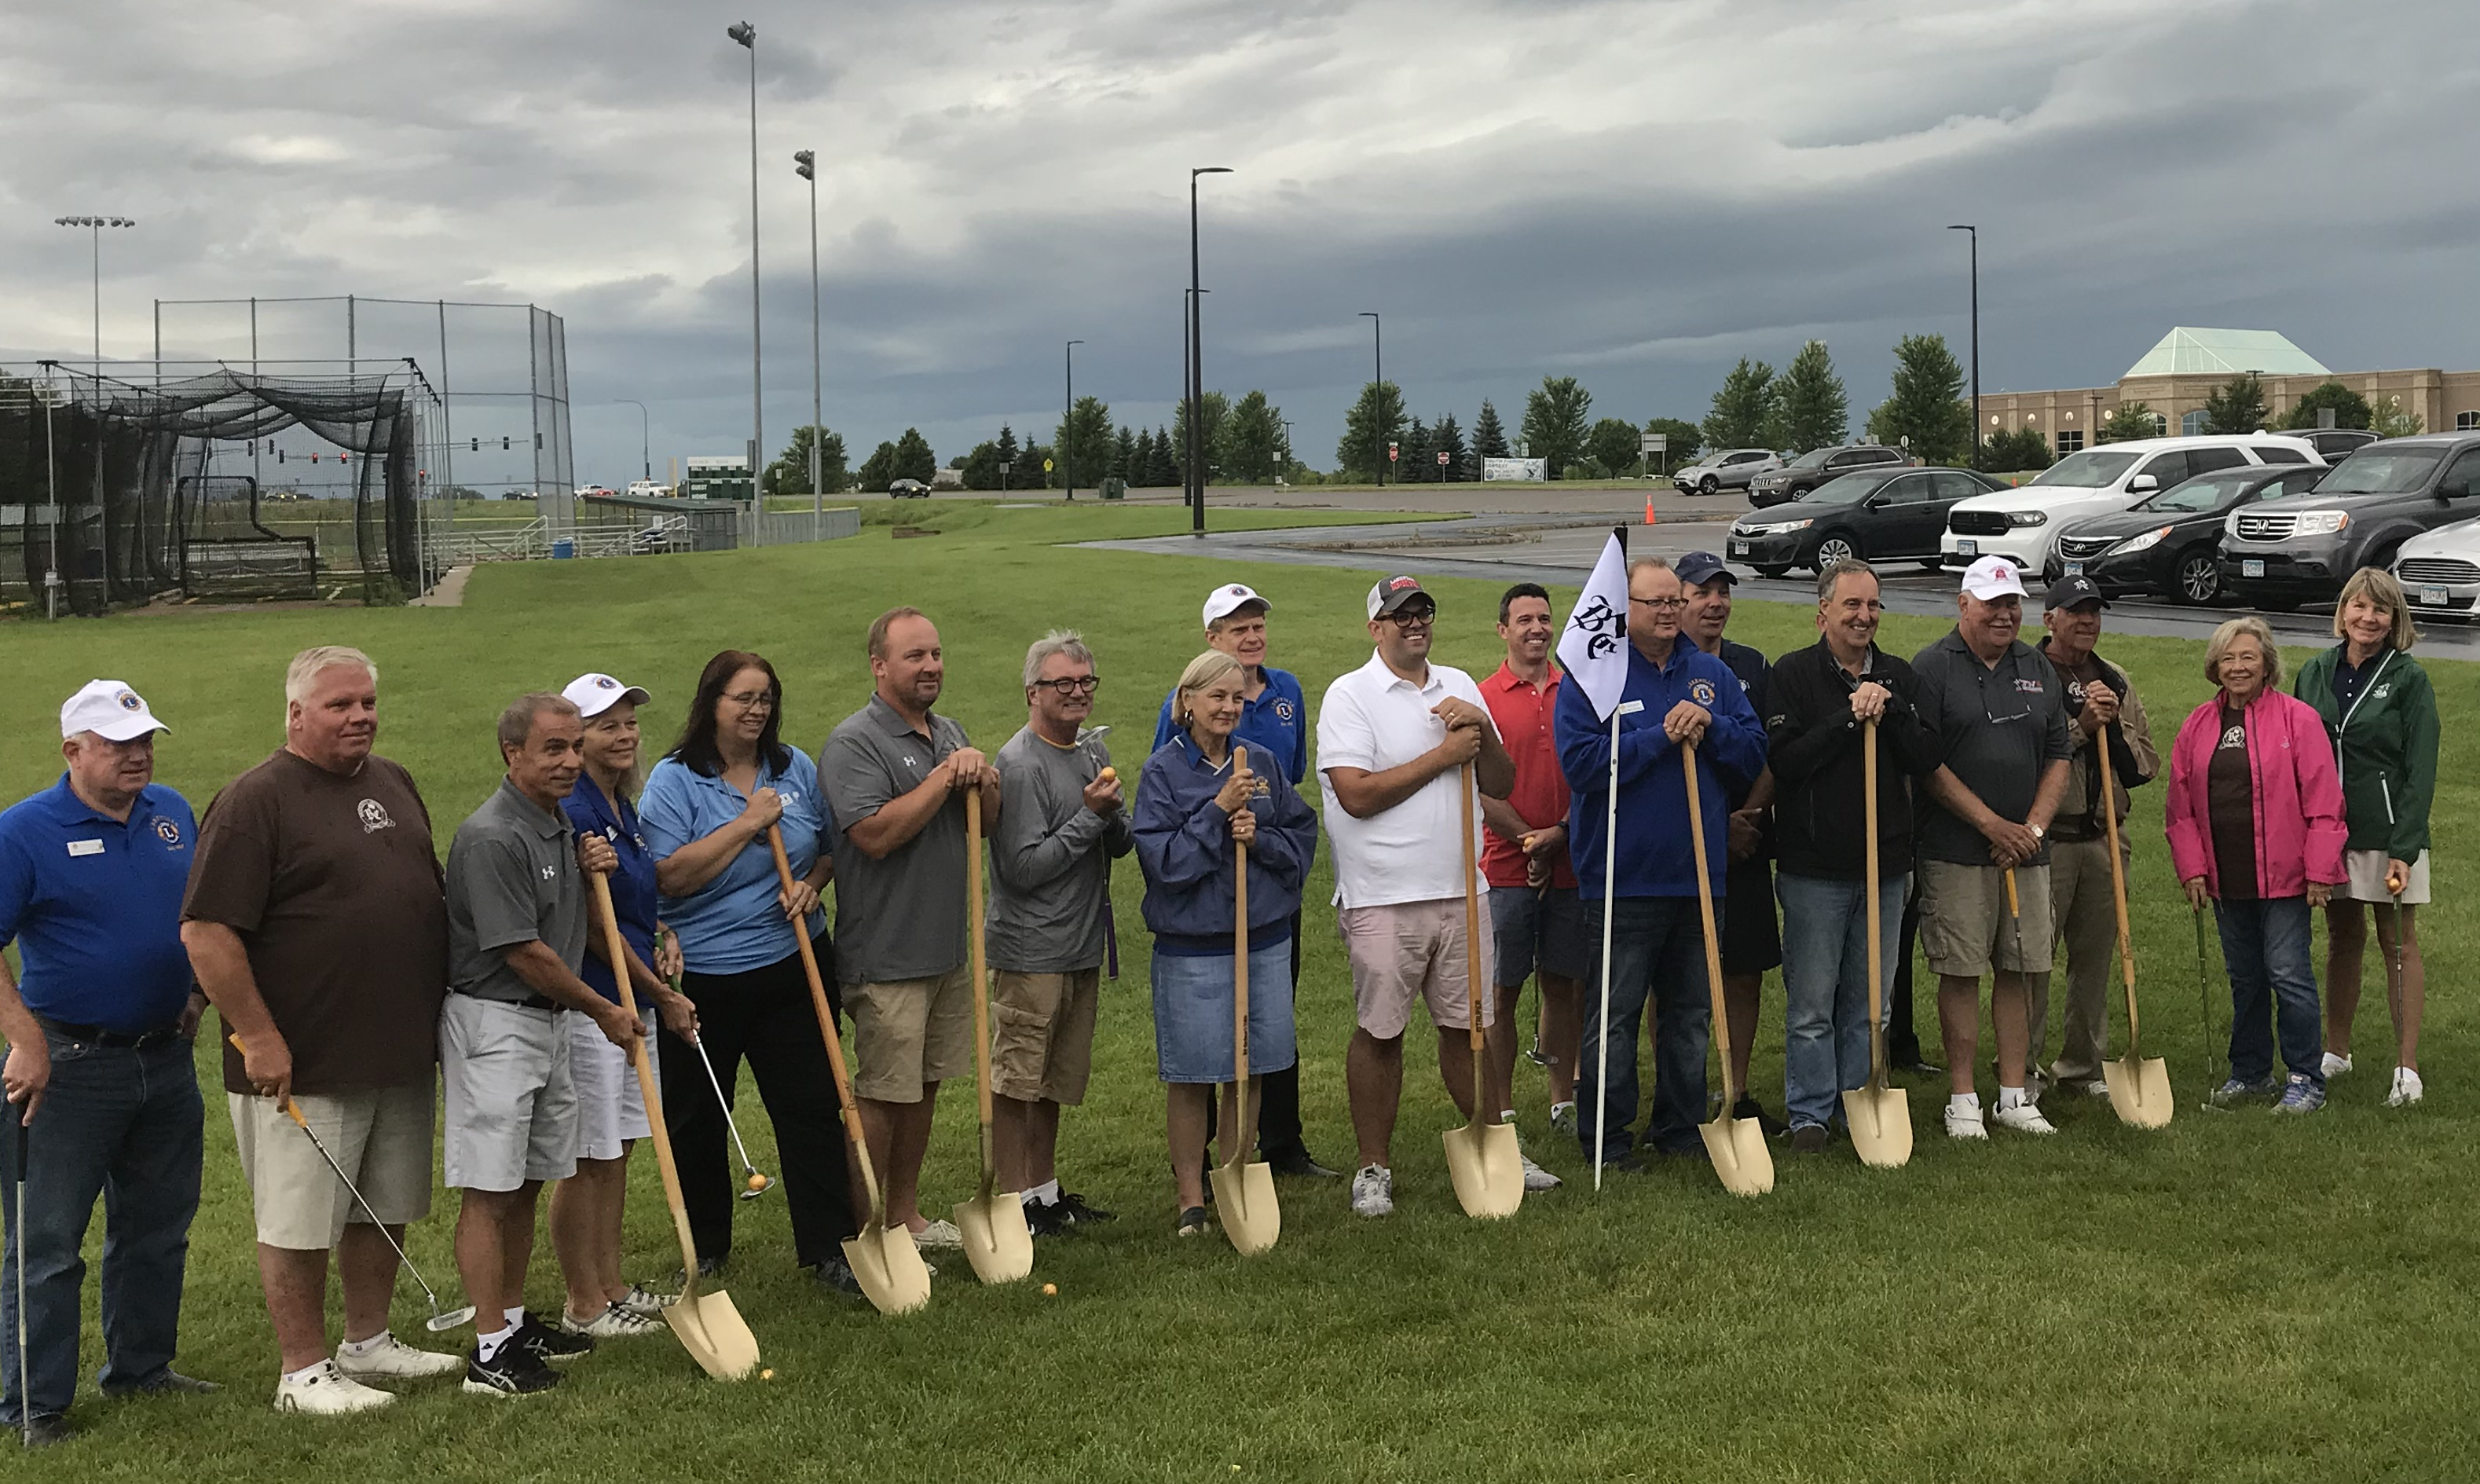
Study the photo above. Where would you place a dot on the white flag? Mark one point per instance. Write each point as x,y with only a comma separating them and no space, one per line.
1593,649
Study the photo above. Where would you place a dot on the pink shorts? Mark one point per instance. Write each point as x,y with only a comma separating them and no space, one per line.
1409,951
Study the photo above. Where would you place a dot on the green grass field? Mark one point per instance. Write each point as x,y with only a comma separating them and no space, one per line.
2235,1297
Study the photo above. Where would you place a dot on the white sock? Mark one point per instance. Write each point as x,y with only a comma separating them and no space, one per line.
307,1373
1044,1194
515,1316
1965,1102
487,1346
2010,1097
1506,1116
361,1347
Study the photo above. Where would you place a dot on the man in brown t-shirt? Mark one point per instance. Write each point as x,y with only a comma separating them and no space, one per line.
317,926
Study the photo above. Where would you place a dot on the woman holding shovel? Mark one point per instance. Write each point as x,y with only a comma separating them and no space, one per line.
1198,799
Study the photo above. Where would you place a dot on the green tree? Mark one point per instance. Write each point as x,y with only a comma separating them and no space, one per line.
1084,444
1743,409
1612,443
1686,441
1376,420
2236,405
1489,438
1810,410
1449,440
2131,420
1557,421
879,470
2350,408
2388,418
2007,453
1162,462
1212,408
1126,461
1252,439
789,473
1413,467
981,467
914,459
1927,405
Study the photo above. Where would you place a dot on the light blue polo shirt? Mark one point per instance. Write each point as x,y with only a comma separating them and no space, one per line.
94,907
733,923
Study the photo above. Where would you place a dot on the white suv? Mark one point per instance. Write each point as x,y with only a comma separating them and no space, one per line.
2020,524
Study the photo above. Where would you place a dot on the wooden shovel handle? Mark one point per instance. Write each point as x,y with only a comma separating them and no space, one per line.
1877,929
1247,1138
616,949
1705,912
977,951
1473,968
835,1043
2118,888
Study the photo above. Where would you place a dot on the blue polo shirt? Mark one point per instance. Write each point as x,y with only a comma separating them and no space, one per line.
632,885
731,924
1276,724
1654,855
94,907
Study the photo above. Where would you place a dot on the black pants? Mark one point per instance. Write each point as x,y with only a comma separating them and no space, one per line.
1279,1093
765,1015
1903,1041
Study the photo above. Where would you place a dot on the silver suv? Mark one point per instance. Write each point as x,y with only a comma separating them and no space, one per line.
1725,469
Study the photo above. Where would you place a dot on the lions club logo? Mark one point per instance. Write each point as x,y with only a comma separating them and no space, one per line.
1701,692
374,816
1283,711
169,832
129,701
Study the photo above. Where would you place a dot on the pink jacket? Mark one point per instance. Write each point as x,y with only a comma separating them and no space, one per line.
2299,828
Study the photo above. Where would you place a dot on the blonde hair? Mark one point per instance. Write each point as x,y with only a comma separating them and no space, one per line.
1202,672
311,664
2379,587
2251,626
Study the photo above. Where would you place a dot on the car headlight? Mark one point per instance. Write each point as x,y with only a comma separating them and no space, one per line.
2320,522
2139,543
1773,527
2028,517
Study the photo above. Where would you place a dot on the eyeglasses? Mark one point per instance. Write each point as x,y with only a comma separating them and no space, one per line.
752,700
1070,684
1664,604
1413,618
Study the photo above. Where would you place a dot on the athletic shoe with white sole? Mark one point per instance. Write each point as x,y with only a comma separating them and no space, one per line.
2300,1095
643,1300
1962,1123
2407,1089
1562,1117
2092,1086
326,1391
1536,1178
1373,1191
2237,1091
390,1359
2333,1066
940,1236
2023,1118
515,1371
548,1341
616,1322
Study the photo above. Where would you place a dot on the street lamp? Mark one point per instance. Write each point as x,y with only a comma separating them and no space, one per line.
95,226
1068,468
1378,358
1976,332
645,435
806,162
746,34
1196,368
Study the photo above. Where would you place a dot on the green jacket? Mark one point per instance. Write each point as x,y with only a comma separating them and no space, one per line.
2386,747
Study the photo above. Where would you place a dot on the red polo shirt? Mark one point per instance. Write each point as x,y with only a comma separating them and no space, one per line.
1522,711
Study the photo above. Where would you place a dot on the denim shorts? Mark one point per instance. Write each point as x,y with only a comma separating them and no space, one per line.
1537,928
1193,1014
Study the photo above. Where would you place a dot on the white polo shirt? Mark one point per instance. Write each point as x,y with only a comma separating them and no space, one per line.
1374,720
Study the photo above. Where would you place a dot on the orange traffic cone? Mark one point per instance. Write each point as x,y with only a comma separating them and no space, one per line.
1649,511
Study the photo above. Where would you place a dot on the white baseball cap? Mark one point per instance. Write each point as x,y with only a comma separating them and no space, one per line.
1228,599
593,694
1992,578
110,710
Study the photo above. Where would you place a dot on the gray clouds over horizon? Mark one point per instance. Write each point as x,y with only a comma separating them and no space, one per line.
1635,194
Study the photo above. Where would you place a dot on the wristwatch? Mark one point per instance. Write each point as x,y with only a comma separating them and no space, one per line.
2040,832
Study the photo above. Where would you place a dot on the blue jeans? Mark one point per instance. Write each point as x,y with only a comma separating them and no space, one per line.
1825,986
126,1124
1657,959
2265,945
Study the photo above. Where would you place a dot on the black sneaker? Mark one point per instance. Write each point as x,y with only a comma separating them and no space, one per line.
515,1371
1299,1163
707,1267
1749,1107
1047,1218
46,1428
547,1342
834,1275
1074,1208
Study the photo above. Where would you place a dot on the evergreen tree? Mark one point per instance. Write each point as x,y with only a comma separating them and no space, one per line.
1743,409
1811,410
1126,461
879,470
2388,418
789,474
1251,437
1008,448
914,459
1489,440
1449,440
1413,464
1556,421
1375,421
2236,405
1162,465
2132,420
1213,409
1927,405
1084,442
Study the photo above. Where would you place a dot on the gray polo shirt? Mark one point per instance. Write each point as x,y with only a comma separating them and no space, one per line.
512,878
902,918
1999,727
1051,858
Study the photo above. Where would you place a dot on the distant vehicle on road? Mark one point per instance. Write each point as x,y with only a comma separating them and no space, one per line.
648,489
2019,524
1725,469
2299,550
1815,467
2170,542
1884,514
595,489
908,489
519,494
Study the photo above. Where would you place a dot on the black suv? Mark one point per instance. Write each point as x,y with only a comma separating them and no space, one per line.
1815,467
2170,542
2299,549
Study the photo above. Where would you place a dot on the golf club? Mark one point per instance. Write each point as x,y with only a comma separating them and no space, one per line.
754,1184
437,1323
25,1392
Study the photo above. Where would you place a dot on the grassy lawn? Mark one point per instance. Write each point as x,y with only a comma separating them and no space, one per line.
2235,1297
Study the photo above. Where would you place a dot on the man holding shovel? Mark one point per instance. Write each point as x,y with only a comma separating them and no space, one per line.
1050,911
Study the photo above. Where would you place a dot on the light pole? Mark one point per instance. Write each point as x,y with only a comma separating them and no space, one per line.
645,435
807,164
94,225
1187,300
1066,467
1377,399
1287,475
1975,334
1196,368
747,36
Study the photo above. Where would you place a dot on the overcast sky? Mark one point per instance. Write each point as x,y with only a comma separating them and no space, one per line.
1635,194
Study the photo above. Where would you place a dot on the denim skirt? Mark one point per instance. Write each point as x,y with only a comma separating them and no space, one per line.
1193,1014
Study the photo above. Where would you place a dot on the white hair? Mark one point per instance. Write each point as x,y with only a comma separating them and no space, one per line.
311,664
1058,641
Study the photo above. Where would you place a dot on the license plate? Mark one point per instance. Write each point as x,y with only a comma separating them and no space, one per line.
2075,569
2251,566
1966,548
1738,548
2435,595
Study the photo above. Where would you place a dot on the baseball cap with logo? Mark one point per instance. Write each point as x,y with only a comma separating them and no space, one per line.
1393,593
1698,568
2072,592
1228,599
1992,578
593,694
110,710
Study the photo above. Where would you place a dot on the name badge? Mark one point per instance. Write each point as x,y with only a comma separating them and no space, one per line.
86,848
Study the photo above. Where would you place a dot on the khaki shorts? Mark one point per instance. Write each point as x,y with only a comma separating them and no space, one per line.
382,1138
2367,870
1409,951
1965,931
907,1033
1041,1034
511,1105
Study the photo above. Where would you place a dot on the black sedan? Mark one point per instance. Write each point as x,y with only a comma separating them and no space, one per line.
1877,515
2168,542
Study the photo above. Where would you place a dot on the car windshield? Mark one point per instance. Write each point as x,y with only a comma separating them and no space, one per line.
1844,489
2091,469
2204,493
1814,458
2374,470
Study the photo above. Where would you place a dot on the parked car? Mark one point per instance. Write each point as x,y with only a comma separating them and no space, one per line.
2439,572
2284,553
1815,467
2335,444
2170,542
2020,523
1882,514
908,489
1725,469
649,489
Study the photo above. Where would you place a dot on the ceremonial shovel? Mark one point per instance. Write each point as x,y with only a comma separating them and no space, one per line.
1244,1189
1737,1145
997,1242
2139,1085
1482,1158
1880,1116
711,1329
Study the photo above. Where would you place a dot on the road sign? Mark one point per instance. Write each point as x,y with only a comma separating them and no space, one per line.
1653,443
1442,460
1047,466
1390,453
1005,465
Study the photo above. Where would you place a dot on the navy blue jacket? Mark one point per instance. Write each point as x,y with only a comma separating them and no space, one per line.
1653,858
1184,845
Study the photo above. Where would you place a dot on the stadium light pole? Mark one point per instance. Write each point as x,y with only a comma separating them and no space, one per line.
806,162
1975,334
95,226
645,435
746,34
1378,357
1196,367
1068,468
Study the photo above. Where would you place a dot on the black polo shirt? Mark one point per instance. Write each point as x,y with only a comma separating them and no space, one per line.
1997,727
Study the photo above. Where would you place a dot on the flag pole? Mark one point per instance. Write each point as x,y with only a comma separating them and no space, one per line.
1609,893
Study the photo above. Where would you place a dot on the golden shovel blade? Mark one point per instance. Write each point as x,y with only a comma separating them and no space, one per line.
2140,1090
1738,1149
1881,1125
1244,1202
997,1241
1487,1169
890,1270
713,1333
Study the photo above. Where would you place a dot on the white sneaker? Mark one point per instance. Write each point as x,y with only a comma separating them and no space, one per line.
646,1301
1562,1117
1965,1123
2406,1089
2333,1066
392,1359
616,1322
2024,1118
328,1391
1536,1178
2094,1088
1373,1191
940,1236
